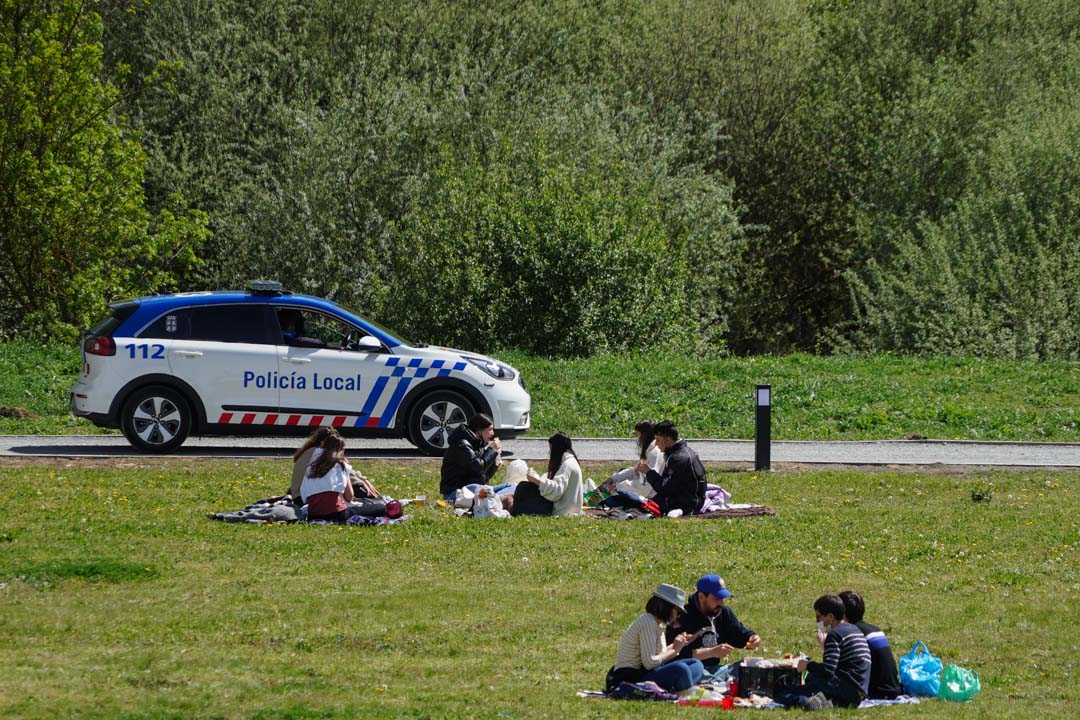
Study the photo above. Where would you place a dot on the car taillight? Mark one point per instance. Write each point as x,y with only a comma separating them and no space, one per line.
99,346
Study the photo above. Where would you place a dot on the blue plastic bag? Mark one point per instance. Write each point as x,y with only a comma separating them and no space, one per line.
920,671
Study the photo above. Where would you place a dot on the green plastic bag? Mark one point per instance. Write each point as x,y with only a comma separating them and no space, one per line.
958,684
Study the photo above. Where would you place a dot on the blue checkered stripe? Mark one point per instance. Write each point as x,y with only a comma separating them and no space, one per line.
405,372
417,368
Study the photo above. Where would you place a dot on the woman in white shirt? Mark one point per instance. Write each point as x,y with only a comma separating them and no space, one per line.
326,488
302,458
643,653
629,478
560,486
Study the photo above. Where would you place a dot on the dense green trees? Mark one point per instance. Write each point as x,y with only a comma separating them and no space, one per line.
73,223
574,177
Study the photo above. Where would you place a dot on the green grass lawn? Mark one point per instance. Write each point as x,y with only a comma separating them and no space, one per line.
815,398
120,599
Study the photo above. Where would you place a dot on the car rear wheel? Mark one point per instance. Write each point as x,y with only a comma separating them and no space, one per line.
434,417
156,419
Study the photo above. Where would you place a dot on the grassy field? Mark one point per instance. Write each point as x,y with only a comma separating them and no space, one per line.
842,398
121,600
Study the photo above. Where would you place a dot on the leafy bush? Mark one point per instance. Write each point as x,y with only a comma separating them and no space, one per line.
425,164
815,176
998,272
74,230
560,252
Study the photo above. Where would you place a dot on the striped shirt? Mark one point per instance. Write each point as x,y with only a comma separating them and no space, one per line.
884,682
846,657
642,643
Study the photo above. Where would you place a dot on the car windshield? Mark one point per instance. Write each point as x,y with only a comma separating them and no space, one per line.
392,333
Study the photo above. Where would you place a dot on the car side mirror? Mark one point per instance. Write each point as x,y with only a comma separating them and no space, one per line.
369,342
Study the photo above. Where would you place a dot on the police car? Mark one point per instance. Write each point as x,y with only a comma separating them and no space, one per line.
266,361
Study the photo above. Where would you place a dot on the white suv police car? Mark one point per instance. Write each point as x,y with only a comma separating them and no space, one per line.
266,361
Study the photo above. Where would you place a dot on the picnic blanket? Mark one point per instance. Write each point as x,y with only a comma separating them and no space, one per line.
759,702
730,511
282,509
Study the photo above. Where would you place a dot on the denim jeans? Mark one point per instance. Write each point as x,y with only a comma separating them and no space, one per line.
677,674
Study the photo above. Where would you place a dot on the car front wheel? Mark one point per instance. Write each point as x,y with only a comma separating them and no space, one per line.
435,417
156,419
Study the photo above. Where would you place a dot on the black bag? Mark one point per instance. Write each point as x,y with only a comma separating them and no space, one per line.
616,676
369,507
529,501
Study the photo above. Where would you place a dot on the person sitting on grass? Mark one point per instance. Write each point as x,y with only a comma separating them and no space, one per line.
302,458
843,675
473,456
644,655
681,484
362,485
559,491
713,624
326,488
630,479
884,680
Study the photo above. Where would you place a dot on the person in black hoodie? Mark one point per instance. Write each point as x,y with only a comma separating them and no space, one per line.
681,486
473,456
712,623
884,680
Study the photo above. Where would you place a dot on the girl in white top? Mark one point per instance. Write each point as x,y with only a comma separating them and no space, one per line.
326,487
302,458
644,655
562,482
629,478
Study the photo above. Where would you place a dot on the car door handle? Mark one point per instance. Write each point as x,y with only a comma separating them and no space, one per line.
187,353
297,361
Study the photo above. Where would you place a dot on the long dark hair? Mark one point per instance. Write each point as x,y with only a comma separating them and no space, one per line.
560,445
333,452
647,428
315,439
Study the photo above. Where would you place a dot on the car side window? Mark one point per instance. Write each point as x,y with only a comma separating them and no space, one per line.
301,328
231,324
173,325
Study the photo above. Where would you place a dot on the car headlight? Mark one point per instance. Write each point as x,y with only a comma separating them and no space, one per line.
493,368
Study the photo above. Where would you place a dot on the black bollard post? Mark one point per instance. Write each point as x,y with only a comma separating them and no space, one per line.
763,427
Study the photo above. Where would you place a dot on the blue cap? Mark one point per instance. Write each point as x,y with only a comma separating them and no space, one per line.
713,585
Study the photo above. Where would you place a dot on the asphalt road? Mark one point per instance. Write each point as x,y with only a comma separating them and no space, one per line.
897,452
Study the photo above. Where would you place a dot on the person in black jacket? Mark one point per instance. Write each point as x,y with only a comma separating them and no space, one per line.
713,624
681,486
473,456
884,680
